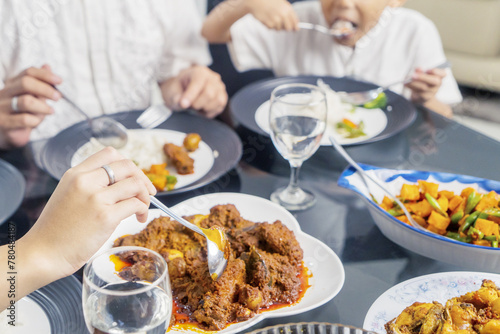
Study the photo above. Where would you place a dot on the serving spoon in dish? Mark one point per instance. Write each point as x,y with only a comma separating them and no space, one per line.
216,240
375,180
105,129
360,98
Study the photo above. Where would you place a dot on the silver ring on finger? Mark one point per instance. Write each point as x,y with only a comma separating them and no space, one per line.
13,104
111,174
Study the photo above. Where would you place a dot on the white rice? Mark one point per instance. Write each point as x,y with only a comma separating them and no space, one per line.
337,109
143,147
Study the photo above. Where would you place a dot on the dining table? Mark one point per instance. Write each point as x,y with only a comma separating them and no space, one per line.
340,218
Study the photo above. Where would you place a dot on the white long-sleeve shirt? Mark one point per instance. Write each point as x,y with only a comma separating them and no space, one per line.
108,53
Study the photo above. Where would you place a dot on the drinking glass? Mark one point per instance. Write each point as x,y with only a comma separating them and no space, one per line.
297,118
127,290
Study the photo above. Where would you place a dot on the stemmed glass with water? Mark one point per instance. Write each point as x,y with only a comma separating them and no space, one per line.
120,298
297,118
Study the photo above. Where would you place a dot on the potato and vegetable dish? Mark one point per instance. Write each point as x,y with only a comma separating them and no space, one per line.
178,157
469,217
476,312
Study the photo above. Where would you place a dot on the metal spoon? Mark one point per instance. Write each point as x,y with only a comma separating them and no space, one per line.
360,98
365,175
216,240
105,129
328,31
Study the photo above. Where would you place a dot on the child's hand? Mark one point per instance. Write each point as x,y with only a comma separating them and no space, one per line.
274,14
425,85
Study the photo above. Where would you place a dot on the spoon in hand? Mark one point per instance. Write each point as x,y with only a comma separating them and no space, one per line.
216,240
360,98
105,129
334,31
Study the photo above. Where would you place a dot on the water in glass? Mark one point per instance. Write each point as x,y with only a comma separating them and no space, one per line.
297,117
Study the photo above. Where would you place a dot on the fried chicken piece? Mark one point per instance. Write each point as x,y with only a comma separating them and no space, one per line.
180,159
423,318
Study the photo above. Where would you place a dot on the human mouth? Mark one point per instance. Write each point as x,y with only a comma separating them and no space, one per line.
343,28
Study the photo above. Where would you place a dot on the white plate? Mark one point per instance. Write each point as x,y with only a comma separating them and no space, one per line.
54,308
424,243
375,122
29,318
436,287
148,150
326,268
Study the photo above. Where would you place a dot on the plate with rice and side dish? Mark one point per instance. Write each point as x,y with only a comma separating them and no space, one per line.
182,154
350,124
274,269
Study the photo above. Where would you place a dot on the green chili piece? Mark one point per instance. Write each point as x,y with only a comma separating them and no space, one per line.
454,235
435,204
470,221
475,231
395,212
491,238
492,212
472,201
455,218
494,244
483,215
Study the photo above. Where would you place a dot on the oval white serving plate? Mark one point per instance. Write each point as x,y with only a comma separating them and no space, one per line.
325,266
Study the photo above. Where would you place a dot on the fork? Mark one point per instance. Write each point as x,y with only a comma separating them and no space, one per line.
154,116
365,175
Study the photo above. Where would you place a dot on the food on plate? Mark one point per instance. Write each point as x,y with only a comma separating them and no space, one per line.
350,129
341,115
476,312
379,102
180,158
146,149
191,142
264,270
469,217
160,176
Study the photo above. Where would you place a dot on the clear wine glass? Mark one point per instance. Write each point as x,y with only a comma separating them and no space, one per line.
127,290
297,118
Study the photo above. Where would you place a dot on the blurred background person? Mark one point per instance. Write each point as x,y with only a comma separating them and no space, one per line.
106,56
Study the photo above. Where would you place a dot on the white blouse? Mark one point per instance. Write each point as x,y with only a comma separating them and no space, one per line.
108,53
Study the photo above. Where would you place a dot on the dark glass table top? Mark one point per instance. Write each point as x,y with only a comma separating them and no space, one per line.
340,218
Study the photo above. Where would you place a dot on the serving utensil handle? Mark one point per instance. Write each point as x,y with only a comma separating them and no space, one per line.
173,215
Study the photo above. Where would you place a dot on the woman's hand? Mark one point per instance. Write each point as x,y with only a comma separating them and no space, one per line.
196,87
274,14
31,88
84,210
